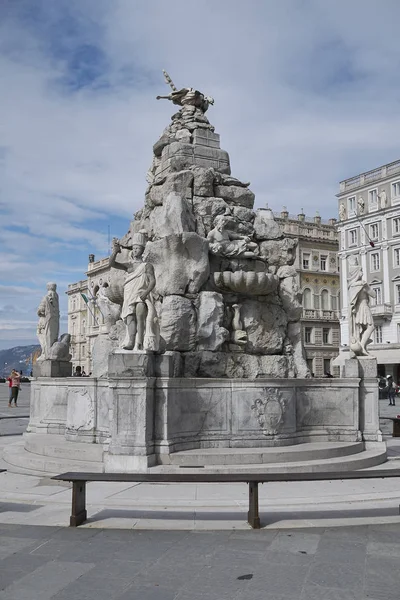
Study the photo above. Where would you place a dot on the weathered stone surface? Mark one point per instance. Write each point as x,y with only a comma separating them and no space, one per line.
300,363
52,368
243,214
103,345
226,364
180,262
235,194
203,182
289,293
160,145
205,210
265,325
183,135
127,363
210,314
173,217
178,324
224,179
265,226
278,252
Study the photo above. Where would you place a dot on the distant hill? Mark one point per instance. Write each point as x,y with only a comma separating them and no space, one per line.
17,358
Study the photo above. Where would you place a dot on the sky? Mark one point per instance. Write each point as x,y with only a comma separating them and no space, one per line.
306,95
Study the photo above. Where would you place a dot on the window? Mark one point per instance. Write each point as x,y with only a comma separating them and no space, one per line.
375,262
334,303
396,225
374,231
325,300
378,335
84,327
322,262
327,365
396,257
378,295
83,351
326,336
73,304
307,298
307,335
373,197
397,297
351,204
353,237
396,189
306,261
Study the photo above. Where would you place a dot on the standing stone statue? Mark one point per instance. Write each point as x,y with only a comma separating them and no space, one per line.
360,317
342,212
49,320
138,312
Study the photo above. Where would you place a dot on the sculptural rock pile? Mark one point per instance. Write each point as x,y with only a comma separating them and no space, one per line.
227,295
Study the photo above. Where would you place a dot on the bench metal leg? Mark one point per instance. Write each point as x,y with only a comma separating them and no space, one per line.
253,516
78,514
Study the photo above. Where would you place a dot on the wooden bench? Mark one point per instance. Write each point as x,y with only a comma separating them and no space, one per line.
79,515
396,425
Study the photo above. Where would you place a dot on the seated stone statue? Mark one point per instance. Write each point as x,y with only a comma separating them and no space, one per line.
228,243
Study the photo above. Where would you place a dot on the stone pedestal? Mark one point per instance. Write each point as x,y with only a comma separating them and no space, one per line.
52,368
132,416
365,368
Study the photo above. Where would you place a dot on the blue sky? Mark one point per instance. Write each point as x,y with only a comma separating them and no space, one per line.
306,94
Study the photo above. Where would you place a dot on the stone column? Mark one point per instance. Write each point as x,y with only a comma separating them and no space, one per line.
132,417
365,368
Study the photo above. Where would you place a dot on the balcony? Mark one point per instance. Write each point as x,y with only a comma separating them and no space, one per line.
382,310
320,315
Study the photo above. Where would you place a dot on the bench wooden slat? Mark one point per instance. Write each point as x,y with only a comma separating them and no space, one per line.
244,477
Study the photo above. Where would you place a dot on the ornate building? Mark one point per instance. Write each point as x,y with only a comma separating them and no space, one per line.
369,227
84,318
318,272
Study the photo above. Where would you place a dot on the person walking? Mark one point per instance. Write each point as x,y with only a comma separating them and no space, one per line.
391,391
9,390
15,387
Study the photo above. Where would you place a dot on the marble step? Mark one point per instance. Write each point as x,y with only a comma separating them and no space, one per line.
251,456
362,460
56,446
19,460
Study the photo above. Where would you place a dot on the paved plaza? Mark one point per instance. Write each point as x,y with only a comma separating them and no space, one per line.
355,563
320,540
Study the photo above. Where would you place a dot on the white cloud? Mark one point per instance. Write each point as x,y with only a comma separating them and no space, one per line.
306,95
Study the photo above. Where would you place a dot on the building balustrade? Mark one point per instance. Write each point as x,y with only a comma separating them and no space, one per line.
320,314
382,310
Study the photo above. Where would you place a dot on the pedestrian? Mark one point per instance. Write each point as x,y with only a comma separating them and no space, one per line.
15,387
391,391
83,372
78,371
9,390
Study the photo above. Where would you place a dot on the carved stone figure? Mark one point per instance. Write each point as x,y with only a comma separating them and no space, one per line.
361,205
186,96
60,349
342,212
383,199
49,320
228,243
138,312
360,315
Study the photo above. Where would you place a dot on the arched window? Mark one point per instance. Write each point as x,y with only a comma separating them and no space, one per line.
84,327
325,300
307,298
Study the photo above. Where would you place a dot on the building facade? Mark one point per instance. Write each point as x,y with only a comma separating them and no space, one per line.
84,317
318,274
369,228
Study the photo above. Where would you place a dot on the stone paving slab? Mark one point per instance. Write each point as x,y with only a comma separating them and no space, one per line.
347,563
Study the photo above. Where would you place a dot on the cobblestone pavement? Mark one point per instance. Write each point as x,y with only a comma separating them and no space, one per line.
43,563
